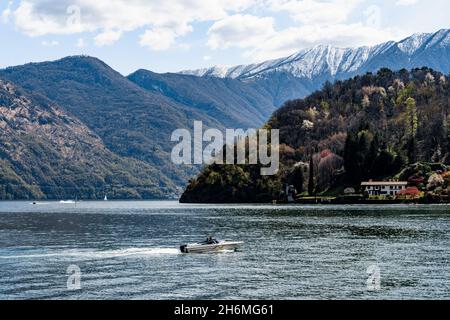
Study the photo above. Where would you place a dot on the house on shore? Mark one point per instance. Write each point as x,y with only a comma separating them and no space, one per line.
384,188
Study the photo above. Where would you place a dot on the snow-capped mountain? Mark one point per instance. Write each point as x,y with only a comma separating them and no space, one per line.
308,69
304,64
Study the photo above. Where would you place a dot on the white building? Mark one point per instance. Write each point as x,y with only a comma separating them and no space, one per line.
387,188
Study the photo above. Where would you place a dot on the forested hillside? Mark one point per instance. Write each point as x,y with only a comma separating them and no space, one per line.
369,127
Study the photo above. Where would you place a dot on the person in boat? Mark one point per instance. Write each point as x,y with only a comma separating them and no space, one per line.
211,240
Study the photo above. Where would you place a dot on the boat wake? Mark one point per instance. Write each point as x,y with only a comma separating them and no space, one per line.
91,254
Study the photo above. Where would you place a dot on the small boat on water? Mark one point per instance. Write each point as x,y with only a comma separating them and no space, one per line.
211,245
67,201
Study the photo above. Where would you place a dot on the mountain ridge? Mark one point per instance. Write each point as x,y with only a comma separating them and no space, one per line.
237,104
131,121
310,68
411,45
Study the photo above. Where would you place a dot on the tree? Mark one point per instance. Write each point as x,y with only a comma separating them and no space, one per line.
311,177
411,150
329,164
354,157
383,165
435,181
361,171
411,117
372,155
399,163
297,179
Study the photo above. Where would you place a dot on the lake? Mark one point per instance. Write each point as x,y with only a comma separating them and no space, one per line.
129,250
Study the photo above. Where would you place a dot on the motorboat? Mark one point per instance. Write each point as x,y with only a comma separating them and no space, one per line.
211,245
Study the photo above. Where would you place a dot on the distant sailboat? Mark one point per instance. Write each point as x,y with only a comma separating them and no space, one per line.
106,198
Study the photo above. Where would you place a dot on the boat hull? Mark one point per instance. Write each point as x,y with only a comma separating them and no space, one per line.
203,248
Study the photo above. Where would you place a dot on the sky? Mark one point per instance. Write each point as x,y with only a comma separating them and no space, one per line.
175,35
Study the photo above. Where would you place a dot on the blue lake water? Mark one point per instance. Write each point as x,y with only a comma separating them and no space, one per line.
129,250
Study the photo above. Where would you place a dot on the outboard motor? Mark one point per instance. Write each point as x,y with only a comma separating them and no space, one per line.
183,248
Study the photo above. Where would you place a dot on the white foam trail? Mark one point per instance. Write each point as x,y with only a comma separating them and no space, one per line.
107,254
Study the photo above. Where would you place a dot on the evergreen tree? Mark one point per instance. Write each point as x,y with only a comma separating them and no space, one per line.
372,156
297,179
411,150
411,117
361,171
383,165
398,164
350,149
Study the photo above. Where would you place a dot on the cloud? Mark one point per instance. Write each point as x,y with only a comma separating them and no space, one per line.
406,2
184,46
252,26
107,38
157,39
44,17
160,39
316,23
242,31
290,40
316,12
80,43
51,43
6,13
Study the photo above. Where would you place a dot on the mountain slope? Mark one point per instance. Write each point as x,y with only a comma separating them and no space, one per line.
234,103
46,153
312,67
131,121
136,116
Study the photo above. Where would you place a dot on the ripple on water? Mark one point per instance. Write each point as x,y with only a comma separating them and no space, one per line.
130,251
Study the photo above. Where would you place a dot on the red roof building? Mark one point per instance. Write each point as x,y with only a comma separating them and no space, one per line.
410,191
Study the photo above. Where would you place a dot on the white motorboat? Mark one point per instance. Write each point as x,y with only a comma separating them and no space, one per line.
211,245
